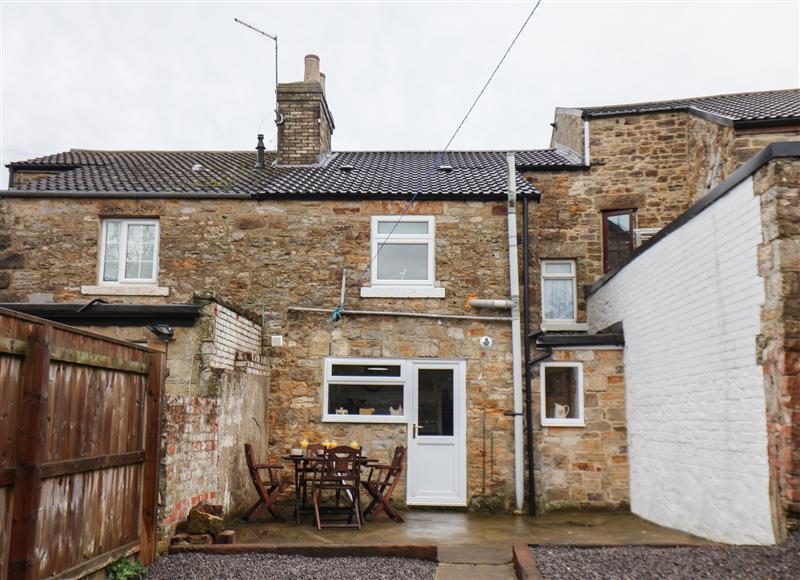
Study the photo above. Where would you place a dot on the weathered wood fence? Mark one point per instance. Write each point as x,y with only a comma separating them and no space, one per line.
79,449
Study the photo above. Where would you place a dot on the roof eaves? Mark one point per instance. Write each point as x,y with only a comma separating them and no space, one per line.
771,122
16,165
17,193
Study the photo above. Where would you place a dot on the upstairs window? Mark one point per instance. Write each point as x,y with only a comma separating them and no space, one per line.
558,291
403,251
129,251
617,238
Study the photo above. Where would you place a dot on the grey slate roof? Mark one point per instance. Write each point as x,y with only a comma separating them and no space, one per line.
474,173
755,106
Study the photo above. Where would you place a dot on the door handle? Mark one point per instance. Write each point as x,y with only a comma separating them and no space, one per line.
414,430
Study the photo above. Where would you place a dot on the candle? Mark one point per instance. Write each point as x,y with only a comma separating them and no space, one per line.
304,443
354,445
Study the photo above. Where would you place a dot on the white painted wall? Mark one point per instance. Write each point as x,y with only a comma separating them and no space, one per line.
690,307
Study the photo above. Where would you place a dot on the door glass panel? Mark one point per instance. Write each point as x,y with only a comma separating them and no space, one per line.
435,402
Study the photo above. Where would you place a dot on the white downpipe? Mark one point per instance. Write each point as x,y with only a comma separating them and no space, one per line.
489,303
586,160
516,331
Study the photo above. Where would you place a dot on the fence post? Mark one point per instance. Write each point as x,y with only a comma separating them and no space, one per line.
152,457
30,441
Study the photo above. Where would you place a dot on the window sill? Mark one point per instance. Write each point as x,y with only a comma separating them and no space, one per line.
573,326
563,423
125,290
401,292
365,419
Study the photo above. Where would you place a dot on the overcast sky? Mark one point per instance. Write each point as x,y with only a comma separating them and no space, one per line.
184,75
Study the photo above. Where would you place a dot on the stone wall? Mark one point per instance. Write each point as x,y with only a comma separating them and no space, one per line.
268,256
637,162
691,310
778,185
658,164
586,467
715,151
568,132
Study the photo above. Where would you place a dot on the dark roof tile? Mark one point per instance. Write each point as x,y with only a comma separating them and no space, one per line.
754,106
474,173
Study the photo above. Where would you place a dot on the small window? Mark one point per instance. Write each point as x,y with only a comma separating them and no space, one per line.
558,291
364,391
403,251
129,252
562,394
617,238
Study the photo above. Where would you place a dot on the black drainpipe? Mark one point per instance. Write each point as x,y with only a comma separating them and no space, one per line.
529,363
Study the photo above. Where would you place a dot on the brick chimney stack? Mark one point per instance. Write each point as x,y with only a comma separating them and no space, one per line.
304,136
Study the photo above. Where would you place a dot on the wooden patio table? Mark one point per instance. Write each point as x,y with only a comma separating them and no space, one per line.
300,464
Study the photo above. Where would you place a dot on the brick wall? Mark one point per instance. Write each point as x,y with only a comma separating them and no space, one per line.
210,416
304,137
778,186
233,334
690,307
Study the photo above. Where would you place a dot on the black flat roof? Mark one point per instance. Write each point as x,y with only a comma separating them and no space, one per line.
555,340
111,314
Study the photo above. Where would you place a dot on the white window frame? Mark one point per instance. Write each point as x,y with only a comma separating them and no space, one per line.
402,288
402,382
573,276
123,246
579,420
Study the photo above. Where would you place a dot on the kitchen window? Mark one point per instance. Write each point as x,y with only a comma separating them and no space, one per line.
618,238
558,291
561,394
403,258
129,251
364,390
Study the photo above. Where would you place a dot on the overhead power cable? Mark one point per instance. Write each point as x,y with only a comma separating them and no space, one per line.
440,155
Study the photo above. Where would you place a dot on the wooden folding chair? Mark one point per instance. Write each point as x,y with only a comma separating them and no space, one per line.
308,468
268,490
380,484
340,472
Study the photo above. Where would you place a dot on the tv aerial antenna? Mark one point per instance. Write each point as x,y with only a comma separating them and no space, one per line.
274,38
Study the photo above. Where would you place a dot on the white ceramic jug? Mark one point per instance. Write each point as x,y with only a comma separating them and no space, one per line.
561,411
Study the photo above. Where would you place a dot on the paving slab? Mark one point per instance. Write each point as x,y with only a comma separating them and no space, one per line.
452,528
475,572
475,554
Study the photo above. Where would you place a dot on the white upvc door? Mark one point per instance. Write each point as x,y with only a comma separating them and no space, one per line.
437,454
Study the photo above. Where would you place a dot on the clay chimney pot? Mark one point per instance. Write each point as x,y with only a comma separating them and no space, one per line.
312,69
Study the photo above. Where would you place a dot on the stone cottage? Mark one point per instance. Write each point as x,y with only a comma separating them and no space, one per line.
387,298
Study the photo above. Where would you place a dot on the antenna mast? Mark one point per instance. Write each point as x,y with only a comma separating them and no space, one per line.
274,38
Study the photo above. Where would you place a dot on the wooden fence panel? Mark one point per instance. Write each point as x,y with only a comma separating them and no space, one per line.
81,443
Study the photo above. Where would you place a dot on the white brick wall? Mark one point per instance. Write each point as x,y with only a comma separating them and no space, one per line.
234,334
690,307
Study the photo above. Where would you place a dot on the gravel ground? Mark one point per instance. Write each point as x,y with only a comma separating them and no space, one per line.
634,563
280,567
